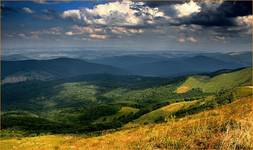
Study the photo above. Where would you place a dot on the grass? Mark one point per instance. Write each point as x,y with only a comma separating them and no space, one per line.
226,127
123,112
164,113
243,91
76,91
214,84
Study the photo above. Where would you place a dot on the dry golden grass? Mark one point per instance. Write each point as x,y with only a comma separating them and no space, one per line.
228,127
182,89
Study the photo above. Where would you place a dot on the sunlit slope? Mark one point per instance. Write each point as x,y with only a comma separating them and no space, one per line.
227,127
123,112
162,113
222,81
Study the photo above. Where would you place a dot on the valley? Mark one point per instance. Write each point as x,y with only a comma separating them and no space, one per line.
92,104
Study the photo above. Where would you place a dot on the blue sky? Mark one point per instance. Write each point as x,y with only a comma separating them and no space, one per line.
172,25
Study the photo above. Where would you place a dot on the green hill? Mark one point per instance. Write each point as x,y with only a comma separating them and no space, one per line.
94,103
227,127
162,113
123,112
216,83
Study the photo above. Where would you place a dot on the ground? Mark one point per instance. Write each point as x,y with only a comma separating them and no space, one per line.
226,127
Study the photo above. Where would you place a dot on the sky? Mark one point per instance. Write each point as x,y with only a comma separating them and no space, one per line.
211,25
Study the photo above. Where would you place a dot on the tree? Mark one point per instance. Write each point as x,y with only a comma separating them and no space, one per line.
224,97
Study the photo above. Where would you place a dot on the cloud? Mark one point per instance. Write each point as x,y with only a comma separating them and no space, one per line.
28,10
79,30
235,8
219,38
245,20
53,31
70,33
190,39
181,40
88,32
221,14
187,9
39,1
48,14
74,14
119,13
113,19
22,35
98,37
123,30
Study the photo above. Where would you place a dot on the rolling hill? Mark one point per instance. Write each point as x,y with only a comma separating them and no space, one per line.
183,66
161,113
106,101
158,65
218,82
227,127
127,61
15,71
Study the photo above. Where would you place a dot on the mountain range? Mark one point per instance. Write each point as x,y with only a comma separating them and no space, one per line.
158,65
16,71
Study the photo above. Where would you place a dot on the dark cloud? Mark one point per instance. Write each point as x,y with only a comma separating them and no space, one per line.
209,18
235,8
224,15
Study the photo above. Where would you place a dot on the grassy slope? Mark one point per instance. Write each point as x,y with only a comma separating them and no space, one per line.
227,127
223,81
124,111
164,112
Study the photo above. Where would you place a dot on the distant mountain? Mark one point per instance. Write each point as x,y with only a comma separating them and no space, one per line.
127,61
157,65
16,71
182,66
14,57
243,58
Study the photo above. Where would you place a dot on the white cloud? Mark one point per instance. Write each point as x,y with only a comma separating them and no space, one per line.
98,36
245,20
22,35
124,13
28,10
39,1
50,31
192,39
74,14
70,33
221,38
186,9
187,39
123,30
78,30
181,40
55,31
88,32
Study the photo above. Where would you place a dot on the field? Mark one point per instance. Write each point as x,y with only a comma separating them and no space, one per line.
227,127
162,113
213,84
130,112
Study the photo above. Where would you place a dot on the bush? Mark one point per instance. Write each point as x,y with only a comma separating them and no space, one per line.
224,97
